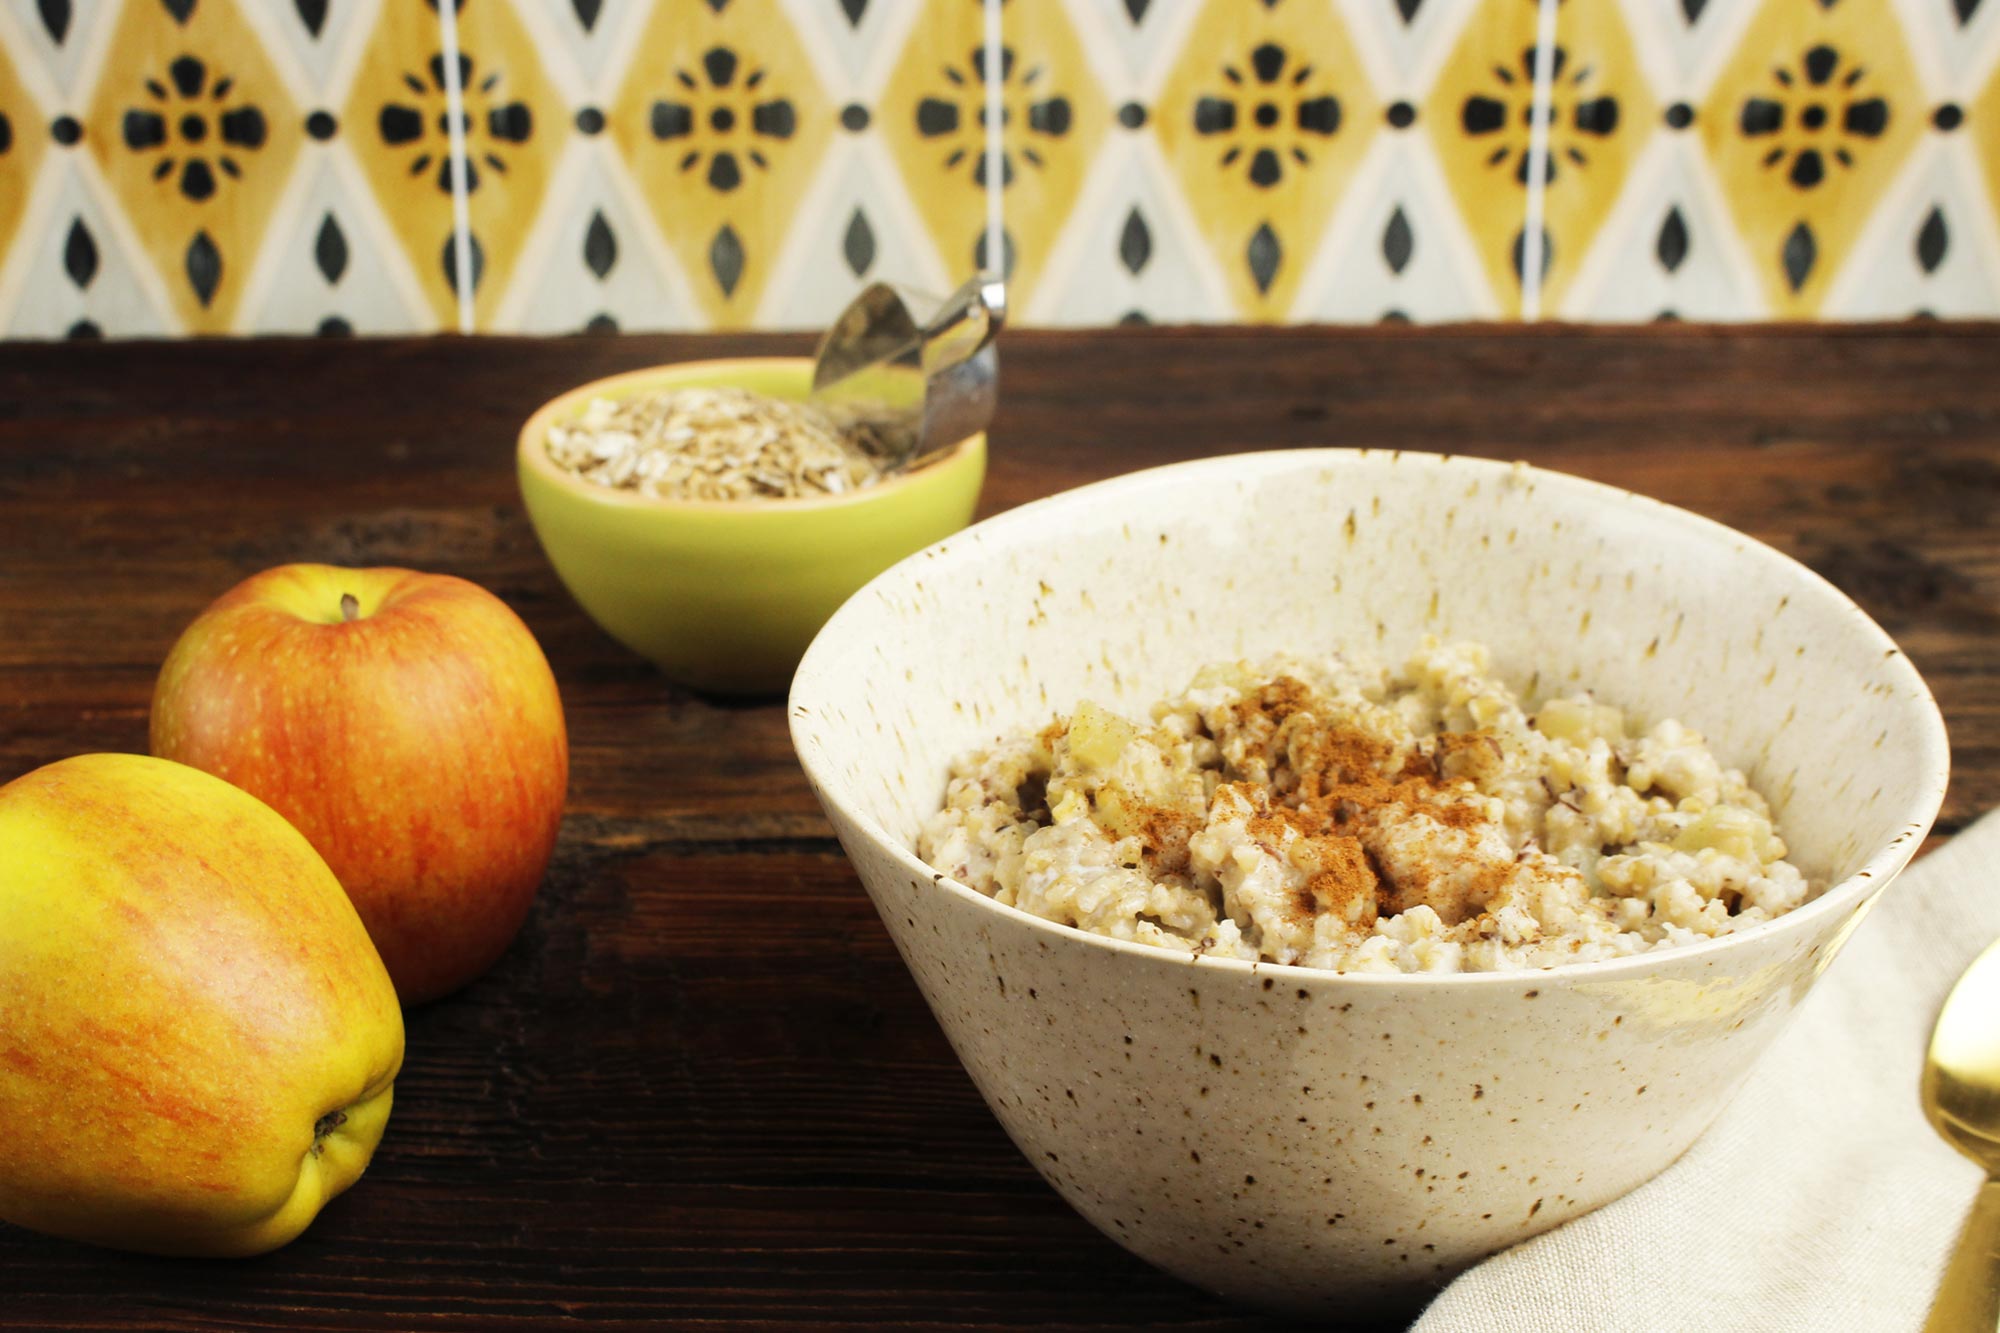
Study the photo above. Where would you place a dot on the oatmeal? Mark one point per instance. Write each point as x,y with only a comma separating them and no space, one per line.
720,443
1331,813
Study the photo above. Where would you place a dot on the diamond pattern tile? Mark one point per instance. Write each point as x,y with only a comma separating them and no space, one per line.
22,147
1054,116
243,166
1477,116
196,135
1808,124
1262,125
722,121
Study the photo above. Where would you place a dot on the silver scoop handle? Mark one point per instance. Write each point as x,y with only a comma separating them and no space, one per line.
953,349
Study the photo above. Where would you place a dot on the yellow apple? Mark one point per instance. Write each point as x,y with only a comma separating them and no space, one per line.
408,725
197,1039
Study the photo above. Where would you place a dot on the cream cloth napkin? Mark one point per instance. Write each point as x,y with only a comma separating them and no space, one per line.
1821,1200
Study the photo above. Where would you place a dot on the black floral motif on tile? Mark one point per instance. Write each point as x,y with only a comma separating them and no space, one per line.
1797,113
1279,113
330,250
312,13
1800,251
492,122
1671,247
178,10
722,121
475,263
1033,117
1135,243
587,12
1580,114
79,254
1691,10
84,331
203,265
1263,255
1965,10
55,16
333,326
726,258
854,9
1399,242
1520,256
601,323
6,132
857,244
1933,239
198,128
600,246
1007,255
1408,9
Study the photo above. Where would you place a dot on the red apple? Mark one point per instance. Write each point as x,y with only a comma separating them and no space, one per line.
408,725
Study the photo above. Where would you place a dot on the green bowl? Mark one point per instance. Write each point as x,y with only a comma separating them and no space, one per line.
724,595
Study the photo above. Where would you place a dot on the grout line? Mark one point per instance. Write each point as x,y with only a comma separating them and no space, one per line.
461,210
1538,161
996,234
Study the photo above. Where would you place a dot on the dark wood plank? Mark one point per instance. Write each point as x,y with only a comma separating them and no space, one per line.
634,1120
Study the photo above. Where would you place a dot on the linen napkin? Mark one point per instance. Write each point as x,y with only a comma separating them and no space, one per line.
1821,1199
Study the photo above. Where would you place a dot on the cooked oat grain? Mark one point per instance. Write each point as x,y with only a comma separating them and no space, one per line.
1330,813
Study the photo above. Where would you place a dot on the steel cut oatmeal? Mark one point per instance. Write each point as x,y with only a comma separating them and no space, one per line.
1331,813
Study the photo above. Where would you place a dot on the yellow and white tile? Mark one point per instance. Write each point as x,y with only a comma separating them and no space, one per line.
1933,248
1667,249
1807,125
330,265
331,262
594,262
197,135
721,120
1397,247
1133,251
75,269
285,165
1054,117
856,224
1476,115
1262,120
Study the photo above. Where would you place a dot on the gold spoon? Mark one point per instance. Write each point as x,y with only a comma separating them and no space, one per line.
1961,1093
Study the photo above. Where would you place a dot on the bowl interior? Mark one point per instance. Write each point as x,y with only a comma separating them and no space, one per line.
788,377
1120,591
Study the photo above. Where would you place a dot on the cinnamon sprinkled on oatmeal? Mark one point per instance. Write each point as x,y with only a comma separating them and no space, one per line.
1331,814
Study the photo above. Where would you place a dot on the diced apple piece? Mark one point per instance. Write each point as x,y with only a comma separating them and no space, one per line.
1731,831
1097,736
1579,721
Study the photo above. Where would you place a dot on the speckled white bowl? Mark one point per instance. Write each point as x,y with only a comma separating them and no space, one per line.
1301,1139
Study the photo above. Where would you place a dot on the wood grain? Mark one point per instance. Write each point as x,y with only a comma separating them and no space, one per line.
639,1118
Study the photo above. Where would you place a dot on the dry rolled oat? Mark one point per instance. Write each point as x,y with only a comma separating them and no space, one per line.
715,444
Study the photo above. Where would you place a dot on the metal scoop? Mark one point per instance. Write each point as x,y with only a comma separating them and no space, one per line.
952,349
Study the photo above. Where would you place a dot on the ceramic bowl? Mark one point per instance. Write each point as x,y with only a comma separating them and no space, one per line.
1296,1138
725,595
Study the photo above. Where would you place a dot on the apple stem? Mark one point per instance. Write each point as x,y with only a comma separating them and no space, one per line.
350,608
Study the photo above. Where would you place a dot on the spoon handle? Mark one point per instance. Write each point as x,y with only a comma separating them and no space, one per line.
1968,1298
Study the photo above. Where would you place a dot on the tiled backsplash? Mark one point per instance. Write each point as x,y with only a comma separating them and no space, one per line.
240,166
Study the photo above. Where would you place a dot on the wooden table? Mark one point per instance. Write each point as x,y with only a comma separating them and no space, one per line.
636,1120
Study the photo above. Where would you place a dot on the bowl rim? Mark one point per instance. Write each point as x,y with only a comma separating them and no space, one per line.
1844,896
533,458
